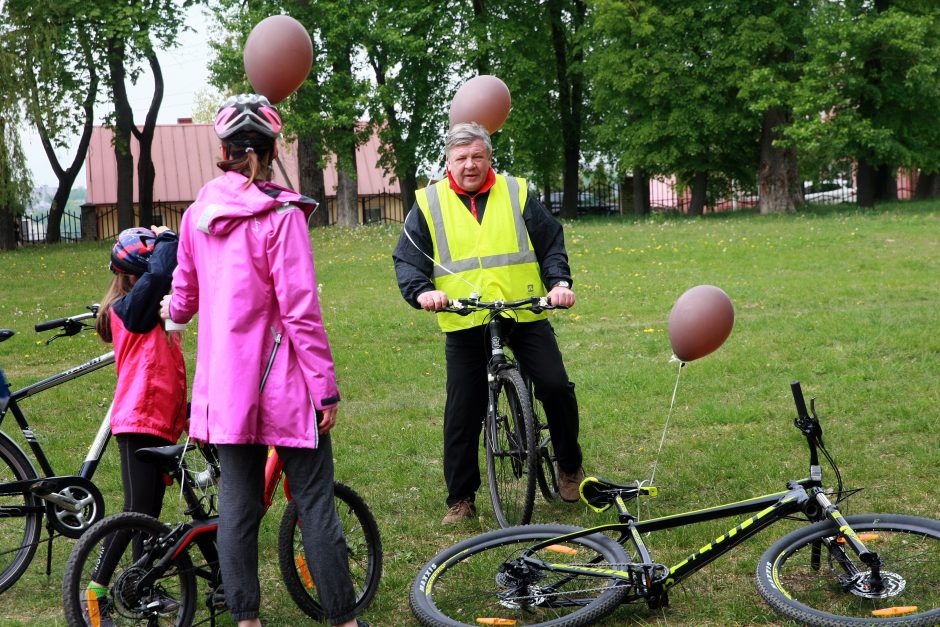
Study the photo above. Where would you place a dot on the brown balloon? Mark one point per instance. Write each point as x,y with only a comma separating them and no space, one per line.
483,99
278,56
700,322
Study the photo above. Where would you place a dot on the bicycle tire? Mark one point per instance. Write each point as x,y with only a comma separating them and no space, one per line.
362,539
909,548
128,605
463,585
19,534
511,452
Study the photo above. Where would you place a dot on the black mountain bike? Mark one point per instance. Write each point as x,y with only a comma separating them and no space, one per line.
519,450
154,581
70,503
867,569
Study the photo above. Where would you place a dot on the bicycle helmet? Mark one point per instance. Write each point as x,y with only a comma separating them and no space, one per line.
132,250
247,112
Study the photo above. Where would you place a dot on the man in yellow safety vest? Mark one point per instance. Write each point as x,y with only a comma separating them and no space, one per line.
482,229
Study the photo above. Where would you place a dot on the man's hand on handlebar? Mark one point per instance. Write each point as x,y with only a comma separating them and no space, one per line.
561,297
433,300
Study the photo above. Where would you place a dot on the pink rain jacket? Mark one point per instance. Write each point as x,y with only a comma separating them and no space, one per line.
245,264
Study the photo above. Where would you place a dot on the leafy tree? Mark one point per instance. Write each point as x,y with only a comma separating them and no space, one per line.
130,33
869,90
54,68
663,78
410,45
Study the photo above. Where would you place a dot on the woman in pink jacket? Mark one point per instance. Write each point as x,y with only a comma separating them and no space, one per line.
264,371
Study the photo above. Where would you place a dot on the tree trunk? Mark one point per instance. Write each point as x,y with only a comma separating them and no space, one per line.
569,80
886,182
311,178
7,228
641,192
123,125
409,186
347,195
928,186
876,183
779,177
699,194
146,172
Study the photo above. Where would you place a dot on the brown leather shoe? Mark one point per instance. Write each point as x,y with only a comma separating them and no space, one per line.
569,484
461,510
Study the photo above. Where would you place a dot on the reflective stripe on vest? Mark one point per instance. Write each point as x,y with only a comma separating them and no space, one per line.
525,254
494,256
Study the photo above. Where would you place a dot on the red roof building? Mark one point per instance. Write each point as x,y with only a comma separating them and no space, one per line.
184,158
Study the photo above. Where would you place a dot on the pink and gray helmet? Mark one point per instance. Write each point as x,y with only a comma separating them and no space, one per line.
247,112
132,250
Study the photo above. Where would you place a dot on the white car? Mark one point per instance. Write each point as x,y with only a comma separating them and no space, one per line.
828,192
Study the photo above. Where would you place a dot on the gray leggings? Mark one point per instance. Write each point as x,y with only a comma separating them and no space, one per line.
241,495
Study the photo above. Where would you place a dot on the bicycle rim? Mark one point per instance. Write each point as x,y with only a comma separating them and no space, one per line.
131,540
511,462
835,588
477,581
20,517
364,549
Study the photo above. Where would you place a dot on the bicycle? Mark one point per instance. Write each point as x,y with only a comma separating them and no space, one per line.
834,570
518,447
154,581
70,503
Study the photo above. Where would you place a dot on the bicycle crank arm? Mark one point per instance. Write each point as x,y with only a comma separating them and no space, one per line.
69,504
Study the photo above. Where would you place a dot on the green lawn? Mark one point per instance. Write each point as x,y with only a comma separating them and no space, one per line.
844,300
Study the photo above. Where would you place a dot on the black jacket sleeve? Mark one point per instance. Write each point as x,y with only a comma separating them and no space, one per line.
413,257
139,310
548,239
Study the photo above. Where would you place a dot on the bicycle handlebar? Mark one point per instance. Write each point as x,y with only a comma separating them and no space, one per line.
70,325
466,306
799,400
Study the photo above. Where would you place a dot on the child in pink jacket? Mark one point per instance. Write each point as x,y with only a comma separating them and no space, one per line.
264,370
149,406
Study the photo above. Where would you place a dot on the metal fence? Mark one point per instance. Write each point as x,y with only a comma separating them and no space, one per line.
33,227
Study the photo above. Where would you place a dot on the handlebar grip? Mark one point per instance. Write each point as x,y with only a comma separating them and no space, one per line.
51,324
798,399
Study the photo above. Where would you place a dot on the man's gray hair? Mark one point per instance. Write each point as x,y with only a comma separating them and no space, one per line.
465,133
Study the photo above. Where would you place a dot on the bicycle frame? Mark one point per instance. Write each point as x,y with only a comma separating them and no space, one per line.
98,445
652,581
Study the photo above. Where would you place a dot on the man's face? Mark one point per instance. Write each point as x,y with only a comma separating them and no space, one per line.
469,165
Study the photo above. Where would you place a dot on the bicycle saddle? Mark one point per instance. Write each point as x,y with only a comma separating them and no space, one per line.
6,334
600,494
166,456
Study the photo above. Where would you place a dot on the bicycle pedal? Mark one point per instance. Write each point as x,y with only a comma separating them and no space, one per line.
42,488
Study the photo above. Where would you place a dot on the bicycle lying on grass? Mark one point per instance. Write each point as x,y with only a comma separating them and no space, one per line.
836,570
518,447
154,581
70,503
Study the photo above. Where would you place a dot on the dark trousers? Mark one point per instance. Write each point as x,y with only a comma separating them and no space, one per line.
241,506
143,492
467,352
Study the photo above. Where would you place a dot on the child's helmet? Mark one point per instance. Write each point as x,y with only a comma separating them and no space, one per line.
247,112
132,250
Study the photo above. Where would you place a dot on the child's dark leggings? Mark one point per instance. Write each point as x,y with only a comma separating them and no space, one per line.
143,492
241,495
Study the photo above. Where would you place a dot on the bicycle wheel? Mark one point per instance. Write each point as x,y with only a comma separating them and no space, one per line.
169,600
809,575
479,581
362,541
20,516
511,462
547,478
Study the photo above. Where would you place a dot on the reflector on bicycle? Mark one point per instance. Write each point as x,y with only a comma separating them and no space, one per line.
304,571
894,611
864,537
496,621
560,548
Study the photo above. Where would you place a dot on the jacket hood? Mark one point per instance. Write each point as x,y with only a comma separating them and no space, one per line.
227,202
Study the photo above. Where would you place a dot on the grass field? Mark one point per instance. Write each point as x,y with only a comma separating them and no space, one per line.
846,301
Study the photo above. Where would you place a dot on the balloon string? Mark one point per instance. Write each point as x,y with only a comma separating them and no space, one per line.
668,417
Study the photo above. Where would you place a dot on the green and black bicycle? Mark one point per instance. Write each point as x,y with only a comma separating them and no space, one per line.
867,569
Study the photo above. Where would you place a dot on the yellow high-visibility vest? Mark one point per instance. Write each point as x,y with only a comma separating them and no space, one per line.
496,255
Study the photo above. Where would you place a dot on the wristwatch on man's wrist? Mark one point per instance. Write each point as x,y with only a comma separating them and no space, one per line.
562,284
